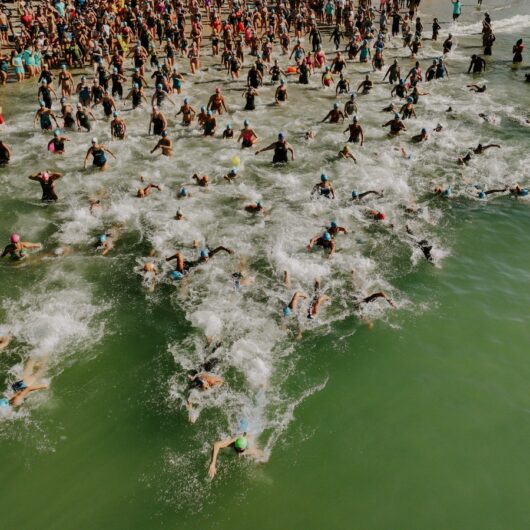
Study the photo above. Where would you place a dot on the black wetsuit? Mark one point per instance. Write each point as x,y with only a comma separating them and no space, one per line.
280,153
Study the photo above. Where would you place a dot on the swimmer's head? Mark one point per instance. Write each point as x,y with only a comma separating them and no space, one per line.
63,99
333,224
424,131
380,216
63,67
410,99
326,236
354,118
42,104
209,113
241,444
234,171
79,106
15,238
282,82
164,134
159,86
116,113
217,90
176,275
259,205
228,126
323,177
94,141
281,136
396,116
102,238
246,123
335,105
204,253
183,192
482,195
354,194
45,175
447,192
57,132
186,101
401,82
136,86
287,312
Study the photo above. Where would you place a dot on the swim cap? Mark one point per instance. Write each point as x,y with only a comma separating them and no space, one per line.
46,175
4,402
326,236
333,224
335,105
447,192
57,132
63,99
228,126
183,192
327,68
83,78
380,216
282,82
203,108
186,100
241,443
204,253
396,116
524,192
159,86
354,194
164,133
15,238
424,131
63,67
17,386
41,103
234,170
287,312
114,69
323,177
354,118
94,140
482,195
102,238
281,136
410,99
246,123
136,85
115,113
176,275
209,113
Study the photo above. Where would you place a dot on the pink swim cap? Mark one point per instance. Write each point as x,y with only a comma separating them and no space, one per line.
45,175
15,238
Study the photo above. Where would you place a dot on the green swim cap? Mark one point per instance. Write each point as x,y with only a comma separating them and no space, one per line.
241,443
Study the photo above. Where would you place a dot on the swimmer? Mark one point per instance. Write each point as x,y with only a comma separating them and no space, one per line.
393,73
334,229
281,148
375,215
93,205
481,148
247,136
422,137
183,193
205,380
407,111
216,103
179,216
56,144
242,444
26,385
316,304
184,266
256,207
188,113
150,275
228,133
396,125
240,277
376,296
118,127
45,116
82,118
356,196
477,88
517,191
104,244
346,154
292,307
281,96
325,241
478,65
366,85
47,182
324,188
158,121
5,153
356,131
424,246
17,249
98,153
350,107
481,194
164,144
209,124
201,181
334,115
144,192
231,175
441,192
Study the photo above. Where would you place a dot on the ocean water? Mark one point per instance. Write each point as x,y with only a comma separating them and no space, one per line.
417,420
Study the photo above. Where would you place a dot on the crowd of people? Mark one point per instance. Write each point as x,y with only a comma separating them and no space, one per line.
91,58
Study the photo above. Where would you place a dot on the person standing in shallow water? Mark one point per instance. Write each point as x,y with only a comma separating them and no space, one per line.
281,149
518,52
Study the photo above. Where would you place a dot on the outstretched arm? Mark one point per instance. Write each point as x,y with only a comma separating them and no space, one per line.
218,249
217,446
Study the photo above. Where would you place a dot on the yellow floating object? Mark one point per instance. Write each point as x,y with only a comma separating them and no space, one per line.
235,160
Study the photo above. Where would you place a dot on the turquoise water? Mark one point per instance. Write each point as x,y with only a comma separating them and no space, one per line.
419,422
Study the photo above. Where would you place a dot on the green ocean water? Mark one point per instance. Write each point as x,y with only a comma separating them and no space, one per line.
421,422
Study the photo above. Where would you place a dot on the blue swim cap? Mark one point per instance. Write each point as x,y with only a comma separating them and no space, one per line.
234,170
335,105
258,204
136,85
287,312
209,113
102,238
164,133
57,132
482,195
204,253
354,194
176,275
186,100
333,224
323,177
183,192
228,125
410,99
17,386
246,122
42,104
326,236
4,402
524,192
159,86
447,192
